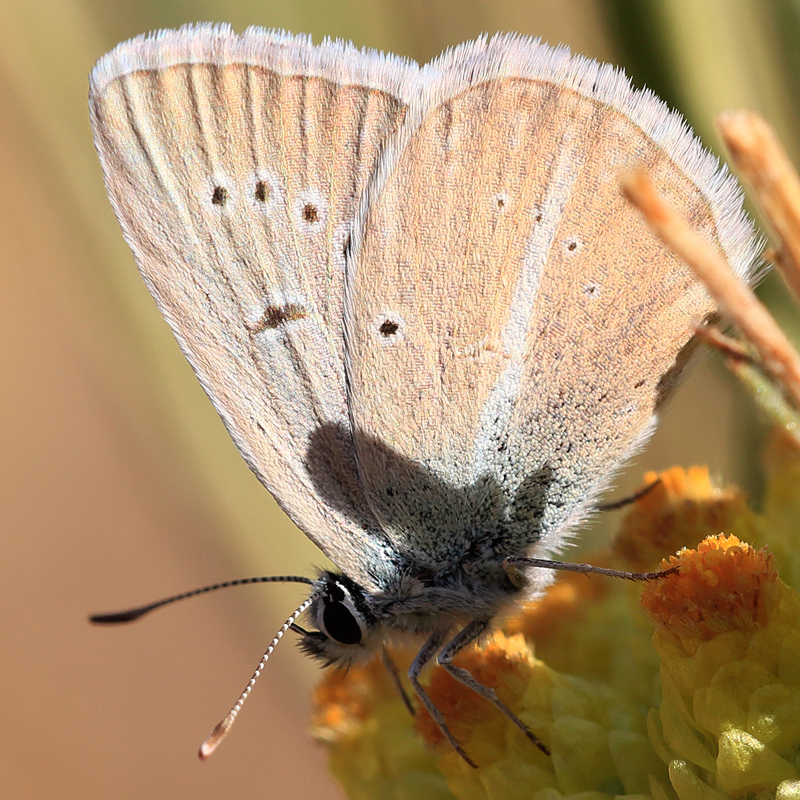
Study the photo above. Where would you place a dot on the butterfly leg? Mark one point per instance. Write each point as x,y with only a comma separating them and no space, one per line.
613,505
394,673
445,660
423,657
568,566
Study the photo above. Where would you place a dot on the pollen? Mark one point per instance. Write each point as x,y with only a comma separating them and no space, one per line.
723,585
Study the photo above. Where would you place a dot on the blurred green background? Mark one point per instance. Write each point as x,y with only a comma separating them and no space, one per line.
119,483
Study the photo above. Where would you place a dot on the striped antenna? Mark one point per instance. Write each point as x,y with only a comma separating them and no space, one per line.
222,728
134,613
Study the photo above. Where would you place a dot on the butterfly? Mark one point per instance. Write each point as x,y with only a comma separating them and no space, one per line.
416,297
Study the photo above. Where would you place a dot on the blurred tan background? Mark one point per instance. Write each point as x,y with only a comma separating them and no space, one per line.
119,484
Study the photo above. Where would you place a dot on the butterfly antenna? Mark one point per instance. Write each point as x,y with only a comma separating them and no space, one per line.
221,729
134,613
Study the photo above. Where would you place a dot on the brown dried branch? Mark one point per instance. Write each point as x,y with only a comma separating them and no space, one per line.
760,158
734,298
726,345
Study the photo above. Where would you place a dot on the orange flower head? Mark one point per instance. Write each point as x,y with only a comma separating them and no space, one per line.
723,585
681,510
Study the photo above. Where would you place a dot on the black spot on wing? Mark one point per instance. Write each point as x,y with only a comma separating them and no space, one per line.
262,191
274,316
388,328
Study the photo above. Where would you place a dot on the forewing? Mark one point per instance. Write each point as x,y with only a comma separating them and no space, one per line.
512,321
235,165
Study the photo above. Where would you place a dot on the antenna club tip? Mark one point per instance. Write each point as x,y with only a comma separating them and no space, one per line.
117,617
215,737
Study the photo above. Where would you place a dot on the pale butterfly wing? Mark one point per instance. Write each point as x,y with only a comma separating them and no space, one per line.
235,165
508,356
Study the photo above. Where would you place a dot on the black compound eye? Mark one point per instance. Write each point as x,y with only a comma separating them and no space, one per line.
340,623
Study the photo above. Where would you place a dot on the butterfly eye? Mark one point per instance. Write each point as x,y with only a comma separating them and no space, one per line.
340,623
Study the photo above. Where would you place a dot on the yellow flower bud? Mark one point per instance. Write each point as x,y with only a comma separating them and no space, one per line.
729,723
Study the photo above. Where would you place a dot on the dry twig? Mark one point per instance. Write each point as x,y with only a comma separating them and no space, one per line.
760,158
732,348
735,299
